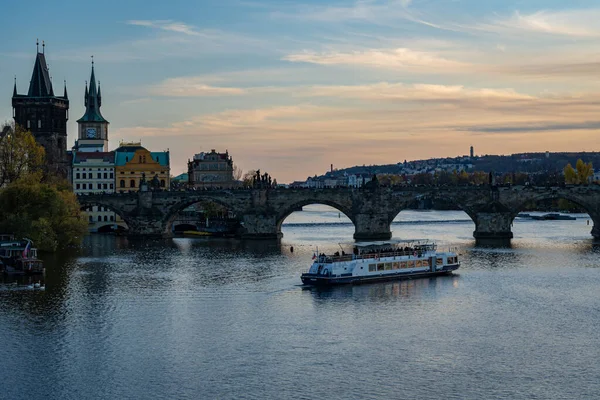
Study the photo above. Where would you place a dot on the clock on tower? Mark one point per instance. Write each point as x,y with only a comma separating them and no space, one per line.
93,128
90,133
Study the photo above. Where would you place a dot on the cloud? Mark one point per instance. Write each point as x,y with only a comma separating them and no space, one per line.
537,127
363,10
380,58
167,25
416,92
190,87
575,23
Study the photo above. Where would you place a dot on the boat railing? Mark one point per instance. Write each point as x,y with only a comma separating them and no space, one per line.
328,259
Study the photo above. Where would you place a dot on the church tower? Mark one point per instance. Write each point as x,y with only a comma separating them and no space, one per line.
93,128
44,114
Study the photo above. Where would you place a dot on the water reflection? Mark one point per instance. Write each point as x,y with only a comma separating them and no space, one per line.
386,291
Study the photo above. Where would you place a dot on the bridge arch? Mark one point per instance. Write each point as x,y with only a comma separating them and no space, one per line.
593,210
296,206
85,204
434,195
171,213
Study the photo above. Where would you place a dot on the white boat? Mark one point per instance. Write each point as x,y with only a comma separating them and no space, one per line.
381,261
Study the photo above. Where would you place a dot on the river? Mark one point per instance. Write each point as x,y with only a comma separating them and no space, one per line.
226,319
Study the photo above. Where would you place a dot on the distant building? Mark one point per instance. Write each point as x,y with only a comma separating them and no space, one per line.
134,163
472,153
44,114
211,170
95,173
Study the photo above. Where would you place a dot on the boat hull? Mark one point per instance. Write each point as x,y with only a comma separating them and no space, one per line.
321,280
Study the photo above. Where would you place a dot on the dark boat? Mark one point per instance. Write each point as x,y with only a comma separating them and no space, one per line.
17,257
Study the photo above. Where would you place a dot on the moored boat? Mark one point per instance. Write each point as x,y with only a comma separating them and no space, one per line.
380,261
17,257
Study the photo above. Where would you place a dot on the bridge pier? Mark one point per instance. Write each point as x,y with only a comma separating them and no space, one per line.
257,226
146,226
493,228
372,226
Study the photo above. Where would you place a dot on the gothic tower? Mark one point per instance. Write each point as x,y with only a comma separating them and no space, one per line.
44,114
93,128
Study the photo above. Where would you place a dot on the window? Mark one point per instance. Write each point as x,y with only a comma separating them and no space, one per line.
99,218
84,186
127,159
112,176
99,186
28,124
396,265
104,186
122,172
132,183
380,266
77,175
112,186
112,218
440,261
105,175
403,264
121,183
84,176
372,267
419,263
132,172
100,175
426,263
105,218
77,186
39,123
162,183
388,266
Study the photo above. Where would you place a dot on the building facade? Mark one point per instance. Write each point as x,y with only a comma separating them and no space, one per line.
44,114
211,170
94,172
134,164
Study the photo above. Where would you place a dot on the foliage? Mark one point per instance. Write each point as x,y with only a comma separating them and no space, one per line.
20,155
48,214
249,178
580,175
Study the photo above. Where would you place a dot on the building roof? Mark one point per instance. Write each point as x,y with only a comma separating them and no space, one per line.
181,178
96,155
40,84
123,157
93,101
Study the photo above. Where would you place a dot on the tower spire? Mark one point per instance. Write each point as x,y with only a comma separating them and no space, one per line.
43,47
85,97
37,45
65,93
15,88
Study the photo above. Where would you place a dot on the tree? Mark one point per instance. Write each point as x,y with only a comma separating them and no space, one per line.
20,154
584,172
237,172
570,174
249,178
48,214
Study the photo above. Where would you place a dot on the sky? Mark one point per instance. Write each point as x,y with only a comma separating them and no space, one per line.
291,87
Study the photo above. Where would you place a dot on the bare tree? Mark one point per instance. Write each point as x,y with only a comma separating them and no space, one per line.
237,172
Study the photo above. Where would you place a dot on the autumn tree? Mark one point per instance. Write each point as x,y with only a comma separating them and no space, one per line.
579,175
584,171
20,154
49,214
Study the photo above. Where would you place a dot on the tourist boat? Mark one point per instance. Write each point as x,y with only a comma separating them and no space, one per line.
380,261
17,257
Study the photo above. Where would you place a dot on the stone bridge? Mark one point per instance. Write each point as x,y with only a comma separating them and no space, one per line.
262,211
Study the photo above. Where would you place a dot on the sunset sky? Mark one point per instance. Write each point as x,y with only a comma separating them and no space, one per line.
292,87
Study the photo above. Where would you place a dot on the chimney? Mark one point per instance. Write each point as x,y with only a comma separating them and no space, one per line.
331,167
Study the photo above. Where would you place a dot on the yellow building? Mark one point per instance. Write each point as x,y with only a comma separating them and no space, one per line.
134,163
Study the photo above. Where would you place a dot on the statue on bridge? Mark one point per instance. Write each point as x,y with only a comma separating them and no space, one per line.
263,181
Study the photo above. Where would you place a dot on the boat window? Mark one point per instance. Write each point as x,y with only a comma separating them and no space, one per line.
380,267
403,264
372,267
396,265
440,261
388,266
426,263
419,263
411,264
